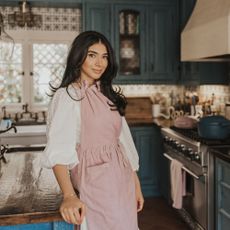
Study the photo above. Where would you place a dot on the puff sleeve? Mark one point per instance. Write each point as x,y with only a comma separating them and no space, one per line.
63,131
126,140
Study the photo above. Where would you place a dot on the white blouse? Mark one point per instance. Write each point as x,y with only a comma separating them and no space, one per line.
63,133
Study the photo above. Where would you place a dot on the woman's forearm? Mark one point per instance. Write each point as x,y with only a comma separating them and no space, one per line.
62,175
139,195
72,209
137,181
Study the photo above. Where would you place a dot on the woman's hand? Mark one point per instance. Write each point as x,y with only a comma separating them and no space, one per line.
139,195
73,210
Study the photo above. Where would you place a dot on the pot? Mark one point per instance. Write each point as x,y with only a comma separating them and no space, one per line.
184,122
214,127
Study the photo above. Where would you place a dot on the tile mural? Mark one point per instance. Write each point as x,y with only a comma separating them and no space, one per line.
53,19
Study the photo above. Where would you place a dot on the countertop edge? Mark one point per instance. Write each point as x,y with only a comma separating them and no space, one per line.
30,218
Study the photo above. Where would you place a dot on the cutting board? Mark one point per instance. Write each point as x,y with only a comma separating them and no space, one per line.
138,108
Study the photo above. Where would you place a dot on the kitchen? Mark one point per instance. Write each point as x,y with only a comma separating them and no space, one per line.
151,71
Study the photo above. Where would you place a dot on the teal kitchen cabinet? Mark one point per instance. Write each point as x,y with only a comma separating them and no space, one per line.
97,16
147,141
214,73
156,44
40,226
163,44
130,42
222,185
144,35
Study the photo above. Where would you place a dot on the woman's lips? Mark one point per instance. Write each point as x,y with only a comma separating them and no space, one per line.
97,71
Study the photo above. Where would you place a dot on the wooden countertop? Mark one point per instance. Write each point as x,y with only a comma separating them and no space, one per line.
29,193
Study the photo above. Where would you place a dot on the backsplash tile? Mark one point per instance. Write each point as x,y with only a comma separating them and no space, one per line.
173,93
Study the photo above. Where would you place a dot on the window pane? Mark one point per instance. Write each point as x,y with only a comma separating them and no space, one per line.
11,77
48,66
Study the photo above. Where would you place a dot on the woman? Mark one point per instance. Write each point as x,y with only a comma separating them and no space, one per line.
88,136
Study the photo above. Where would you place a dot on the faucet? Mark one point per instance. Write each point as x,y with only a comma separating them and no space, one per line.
4,149
28,115
11,127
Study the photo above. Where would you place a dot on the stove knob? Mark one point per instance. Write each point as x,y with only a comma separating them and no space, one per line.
197,157
174,143
184,150
191,153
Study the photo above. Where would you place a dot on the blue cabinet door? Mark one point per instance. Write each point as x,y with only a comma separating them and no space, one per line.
40,226
142,25
97,16
163,44
222,185
147,143
158,49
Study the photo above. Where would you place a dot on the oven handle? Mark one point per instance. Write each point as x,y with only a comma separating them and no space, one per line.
184,168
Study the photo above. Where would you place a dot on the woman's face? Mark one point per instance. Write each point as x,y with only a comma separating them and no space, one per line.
95,63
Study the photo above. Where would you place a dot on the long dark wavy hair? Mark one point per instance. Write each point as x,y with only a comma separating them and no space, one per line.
75,59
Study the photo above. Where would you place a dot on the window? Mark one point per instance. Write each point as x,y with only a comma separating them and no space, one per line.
38,59
48,67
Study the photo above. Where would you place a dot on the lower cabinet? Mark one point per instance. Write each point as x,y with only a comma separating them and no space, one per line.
40,226
222,205
148,143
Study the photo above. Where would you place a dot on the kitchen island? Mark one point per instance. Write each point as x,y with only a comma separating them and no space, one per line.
31,195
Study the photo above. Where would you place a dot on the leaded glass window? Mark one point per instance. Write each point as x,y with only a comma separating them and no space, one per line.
48,67
11,73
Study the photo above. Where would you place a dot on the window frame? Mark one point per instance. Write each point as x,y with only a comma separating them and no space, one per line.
27,38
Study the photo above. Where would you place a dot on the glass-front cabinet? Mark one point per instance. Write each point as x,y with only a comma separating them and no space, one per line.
129,42
143,35
130,33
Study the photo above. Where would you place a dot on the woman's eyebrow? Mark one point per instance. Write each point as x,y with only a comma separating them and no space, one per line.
94,52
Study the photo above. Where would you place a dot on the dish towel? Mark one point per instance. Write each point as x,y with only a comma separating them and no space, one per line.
178,183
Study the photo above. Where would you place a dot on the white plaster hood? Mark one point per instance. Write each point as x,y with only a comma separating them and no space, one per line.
206,36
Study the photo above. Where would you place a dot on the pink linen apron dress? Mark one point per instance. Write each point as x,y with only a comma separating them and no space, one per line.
104,176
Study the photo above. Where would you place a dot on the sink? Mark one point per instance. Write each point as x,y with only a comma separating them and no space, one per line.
26,135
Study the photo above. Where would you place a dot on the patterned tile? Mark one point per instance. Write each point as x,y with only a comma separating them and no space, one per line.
53,19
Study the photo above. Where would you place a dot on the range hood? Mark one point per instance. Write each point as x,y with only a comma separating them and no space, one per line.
206,36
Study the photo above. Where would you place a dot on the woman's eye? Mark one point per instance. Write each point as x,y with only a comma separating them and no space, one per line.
105,57
92,55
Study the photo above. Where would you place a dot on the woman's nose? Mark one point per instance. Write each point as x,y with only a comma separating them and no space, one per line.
99,61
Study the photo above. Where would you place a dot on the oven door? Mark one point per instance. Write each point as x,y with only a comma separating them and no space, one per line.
195,201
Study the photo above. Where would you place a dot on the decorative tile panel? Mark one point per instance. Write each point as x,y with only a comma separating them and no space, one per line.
53,19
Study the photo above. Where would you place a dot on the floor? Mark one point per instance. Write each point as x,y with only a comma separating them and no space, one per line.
157,215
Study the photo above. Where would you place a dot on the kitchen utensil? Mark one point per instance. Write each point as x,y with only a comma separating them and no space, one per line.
214,127
227,110
185,122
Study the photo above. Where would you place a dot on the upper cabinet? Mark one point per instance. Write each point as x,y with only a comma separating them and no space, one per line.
130,46
144,36
98,17
162,44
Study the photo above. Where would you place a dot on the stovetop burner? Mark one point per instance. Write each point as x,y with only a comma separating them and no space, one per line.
193,135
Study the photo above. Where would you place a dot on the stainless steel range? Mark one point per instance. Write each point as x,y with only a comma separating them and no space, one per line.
187,147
